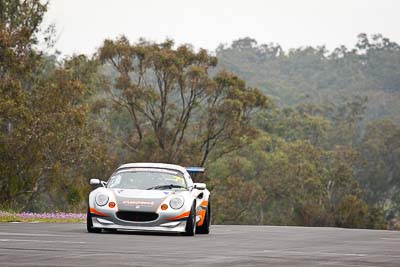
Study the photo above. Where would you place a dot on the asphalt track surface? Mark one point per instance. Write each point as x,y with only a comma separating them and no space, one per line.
45,244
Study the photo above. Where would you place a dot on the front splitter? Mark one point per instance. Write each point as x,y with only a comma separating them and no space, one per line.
175,227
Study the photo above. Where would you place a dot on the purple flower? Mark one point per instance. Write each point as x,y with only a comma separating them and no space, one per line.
56,215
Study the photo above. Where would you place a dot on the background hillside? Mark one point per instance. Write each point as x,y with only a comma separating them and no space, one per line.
370,69
344,101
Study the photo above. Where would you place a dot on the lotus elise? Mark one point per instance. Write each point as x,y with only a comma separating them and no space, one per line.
150,197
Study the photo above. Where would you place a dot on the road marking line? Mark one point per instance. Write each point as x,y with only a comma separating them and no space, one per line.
317,253
390,238
352,254
348,265
28,234
40,241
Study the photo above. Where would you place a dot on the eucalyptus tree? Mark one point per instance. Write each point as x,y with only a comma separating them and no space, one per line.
179,112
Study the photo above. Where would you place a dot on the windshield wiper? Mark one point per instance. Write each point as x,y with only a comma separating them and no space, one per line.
161,186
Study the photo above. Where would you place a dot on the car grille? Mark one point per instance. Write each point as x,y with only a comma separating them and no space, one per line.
135,216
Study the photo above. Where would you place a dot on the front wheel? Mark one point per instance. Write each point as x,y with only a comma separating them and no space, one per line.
89,224
191,222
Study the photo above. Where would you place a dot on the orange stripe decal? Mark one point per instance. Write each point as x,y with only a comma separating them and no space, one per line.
183,215
204,203
202,214
92,210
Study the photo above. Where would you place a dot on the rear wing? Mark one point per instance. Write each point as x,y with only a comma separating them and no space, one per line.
194,170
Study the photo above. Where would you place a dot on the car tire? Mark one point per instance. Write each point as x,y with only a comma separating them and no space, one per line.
89,224
191,222
205,228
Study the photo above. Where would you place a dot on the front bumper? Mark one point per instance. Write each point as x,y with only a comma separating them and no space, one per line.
167,221
108,223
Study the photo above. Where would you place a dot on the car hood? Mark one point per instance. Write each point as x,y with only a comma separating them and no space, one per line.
140,200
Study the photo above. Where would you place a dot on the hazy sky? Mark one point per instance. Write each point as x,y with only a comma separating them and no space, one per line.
82,25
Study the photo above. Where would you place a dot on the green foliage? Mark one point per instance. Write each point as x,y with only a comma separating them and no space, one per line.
312,74
178,112
45,138
380,148
289,183
326,154
352,212
346,100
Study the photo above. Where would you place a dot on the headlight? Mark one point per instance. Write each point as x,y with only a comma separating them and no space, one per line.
101,199
176,202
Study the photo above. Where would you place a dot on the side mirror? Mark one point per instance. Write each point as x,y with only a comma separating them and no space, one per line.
95,181
200,186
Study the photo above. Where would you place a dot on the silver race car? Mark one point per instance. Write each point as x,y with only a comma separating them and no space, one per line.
150,197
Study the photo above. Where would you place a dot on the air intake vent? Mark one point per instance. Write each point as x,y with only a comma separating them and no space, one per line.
135,216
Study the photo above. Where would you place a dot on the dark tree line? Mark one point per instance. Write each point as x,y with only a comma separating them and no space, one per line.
345,102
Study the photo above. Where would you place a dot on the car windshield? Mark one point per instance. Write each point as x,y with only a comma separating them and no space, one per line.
147,179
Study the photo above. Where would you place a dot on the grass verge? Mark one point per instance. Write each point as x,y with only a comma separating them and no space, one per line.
42,217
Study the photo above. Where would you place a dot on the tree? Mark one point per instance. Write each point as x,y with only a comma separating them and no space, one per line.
274,181
19,25
45,136
178,111
380,175
316,75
